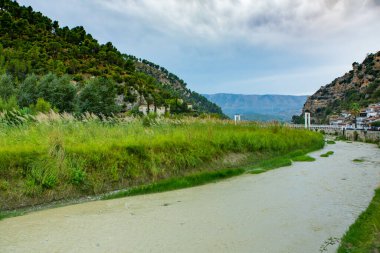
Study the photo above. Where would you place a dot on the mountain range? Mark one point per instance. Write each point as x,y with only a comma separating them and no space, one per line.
259,107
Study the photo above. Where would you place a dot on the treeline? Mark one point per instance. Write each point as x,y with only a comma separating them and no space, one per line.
31,43
62,94
95,95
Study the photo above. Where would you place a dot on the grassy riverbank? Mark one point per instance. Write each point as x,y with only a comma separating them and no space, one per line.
65,158
364,235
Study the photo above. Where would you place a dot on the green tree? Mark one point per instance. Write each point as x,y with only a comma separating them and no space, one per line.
64,94
8,105
7,87
298,119
58,91
2,60
46,86
355,111
41,106
376,124
98,96
28,92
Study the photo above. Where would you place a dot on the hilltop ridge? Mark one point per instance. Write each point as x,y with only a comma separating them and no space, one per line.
360,85
31,43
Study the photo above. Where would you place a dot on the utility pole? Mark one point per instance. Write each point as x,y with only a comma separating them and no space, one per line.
307,120
237,118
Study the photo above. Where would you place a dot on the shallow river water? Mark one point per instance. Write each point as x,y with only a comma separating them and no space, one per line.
293,209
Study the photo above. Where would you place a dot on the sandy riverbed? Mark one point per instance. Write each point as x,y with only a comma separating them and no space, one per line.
292,209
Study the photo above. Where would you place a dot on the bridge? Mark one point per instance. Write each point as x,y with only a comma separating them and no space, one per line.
349,134
316,127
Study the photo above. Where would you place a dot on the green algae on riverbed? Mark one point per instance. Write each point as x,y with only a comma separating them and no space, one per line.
177,183
327,154
303,158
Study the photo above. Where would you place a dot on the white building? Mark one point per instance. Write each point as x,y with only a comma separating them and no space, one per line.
161,110
143,109
152,109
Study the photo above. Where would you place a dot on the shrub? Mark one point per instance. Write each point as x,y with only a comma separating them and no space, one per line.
15,118
149,120
77,176
4,185
43,175
8,105
41,106
356,135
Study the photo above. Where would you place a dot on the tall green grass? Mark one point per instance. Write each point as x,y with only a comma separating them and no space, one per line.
51,160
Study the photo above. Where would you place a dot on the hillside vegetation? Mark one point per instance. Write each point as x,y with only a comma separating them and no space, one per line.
52,157
32,44
360,85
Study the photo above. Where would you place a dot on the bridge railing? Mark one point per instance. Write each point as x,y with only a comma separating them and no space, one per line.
320,127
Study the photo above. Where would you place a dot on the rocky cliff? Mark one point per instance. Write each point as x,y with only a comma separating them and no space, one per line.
176,86
360,85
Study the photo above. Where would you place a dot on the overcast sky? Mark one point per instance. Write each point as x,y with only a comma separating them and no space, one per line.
233,46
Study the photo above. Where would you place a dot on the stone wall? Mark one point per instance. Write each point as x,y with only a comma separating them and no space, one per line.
361,135
354,135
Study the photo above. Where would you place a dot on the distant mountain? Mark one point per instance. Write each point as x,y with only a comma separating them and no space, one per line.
360,85
259,107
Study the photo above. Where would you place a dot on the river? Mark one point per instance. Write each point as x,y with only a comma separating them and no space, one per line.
292,209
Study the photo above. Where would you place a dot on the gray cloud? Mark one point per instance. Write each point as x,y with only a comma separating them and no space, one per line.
259,21
244,46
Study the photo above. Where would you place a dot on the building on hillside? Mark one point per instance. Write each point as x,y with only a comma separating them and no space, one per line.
143,109
373,110
360,122
151,108
369,121
362,114
161,110
345,114
365,118
337,120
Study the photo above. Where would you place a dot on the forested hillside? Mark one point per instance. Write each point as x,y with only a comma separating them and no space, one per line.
40,59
